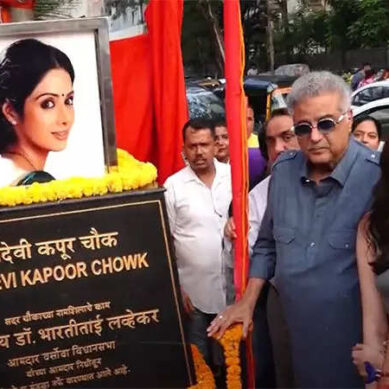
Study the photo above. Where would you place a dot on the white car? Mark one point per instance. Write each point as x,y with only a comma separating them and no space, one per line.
368,93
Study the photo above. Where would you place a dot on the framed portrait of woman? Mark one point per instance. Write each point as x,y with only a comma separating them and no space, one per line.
56,107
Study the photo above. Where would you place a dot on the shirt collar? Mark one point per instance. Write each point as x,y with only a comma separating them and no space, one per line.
190,175
343,168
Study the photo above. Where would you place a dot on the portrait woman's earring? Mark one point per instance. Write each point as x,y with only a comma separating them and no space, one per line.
13,122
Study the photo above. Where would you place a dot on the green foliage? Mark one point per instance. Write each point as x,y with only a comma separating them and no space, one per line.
198,44
344,25
348,24
306,33
371,28
342,15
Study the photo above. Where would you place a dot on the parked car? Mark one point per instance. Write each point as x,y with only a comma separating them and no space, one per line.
379,109
265,93
207,82
204,104
368,93
292,70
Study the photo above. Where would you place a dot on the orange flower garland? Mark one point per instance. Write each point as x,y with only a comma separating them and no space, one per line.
204,376
230,342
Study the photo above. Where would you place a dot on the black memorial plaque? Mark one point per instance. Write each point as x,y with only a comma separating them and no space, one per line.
89,297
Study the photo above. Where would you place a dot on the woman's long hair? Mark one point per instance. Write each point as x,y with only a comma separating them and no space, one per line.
22,66
378,228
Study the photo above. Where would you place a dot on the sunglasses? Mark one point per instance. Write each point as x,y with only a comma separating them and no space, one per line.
324,125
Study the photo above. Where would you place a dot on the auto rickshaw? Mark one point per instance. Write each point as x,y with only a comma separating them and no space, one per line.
267,93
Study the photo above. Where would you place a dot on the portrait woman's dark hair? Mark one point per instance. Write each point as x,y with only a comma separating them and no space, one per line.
379,217
364,118
23,65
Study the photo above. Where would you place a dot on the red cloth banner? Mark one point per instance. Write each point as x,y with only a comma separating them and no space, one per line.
149,89
236,110
25,4
236,123
164,21
132,92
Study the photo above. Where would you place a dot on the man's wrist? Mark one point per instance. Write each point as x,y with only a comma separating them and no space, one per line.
252,292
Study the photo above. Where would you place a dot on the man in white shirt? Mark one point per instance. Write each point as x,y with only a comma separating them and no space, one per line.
197,200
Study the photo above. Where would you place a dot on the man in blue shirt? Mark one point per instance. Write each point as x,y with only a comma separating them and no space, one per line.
307,239
359,76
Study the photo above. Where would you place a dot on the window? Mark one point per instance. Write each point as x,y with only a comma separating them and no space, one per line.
385,91
367,95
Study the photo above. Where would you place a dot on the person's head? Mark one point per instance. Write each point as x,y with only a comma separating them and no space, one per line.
368,131
250,120
369,73
36,96
320,105
378,231
278,135
199,144
366,66
222,142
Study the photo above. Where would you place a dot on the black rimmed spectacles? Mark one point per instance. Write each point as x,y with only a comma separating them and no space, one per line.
324,125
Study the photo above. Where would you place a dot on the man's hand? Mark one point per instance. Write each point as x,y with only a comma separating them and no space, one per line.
240,312
188,306
230,230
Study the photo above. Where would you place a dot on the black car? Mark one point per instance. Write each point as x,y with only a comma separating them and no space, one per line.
204,104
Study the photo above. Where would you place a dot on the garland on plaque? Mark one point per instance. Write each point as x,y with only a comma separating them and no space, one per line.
131,174
230,342
204,376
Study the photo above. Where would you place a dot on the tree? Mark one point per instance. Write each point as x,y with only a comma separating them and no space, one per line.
342,15
306,35
200,48
255,27
371,28
211,12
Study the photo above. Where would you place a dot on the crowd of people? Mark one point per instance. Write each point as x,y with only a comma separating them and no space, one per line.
367,75
318,289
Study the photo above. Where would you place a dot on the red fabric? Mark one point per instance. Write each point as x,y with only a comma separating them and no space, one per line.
27,4
149,89
236,110
164,20
236,124
132,91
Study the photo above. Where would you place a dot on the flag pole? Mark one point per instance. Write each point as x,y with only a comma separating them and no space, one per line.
236,110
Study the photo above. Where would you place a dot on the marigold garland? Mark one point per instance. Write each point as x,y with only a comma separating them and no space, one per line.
204,376
230,342
131,174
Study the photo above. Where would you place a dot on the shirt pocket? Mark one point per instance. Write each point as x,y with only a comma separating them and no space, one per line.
284,235
288,256
342,239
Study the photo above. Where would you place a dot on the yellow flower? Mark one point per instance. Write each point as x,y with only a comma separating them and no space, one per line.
130,174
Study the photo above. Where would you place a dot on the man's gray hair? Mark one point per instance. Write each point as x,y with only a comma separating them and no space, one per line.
317,83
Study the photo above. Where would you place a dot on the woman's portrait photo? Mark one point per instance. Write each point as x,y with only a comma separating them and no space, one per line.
50,112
